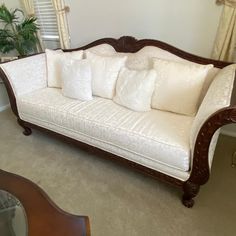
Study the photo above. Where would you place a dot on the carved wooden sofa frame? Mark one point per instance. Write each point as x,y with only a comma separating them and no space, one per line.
200,168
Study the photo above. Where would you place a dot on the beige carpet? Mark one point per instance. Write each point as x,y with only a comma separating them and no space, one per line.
119,201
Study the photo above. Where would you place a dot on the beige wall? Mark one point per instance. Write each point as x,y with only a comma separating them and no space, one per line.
11,3
187,24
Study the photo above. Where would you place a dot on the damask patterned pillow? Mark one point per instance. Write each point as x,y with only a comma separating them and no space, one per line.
76,79
105,70
178,86
134,89
53,60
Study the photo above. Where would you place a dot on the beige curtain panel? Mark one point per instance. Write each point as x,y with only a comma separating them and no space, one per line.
225,42
231,3
62,23
29,9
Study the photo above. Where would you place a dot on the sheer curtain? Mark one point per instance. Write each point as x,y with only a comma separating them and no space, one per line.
225,42
29,9
62,23
231,3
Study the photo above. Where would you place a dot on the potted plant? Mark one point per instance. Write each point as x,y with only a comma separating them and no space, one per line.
17,34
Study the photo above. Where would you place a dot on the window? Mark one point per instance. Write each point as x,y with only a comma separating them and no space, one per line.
47,21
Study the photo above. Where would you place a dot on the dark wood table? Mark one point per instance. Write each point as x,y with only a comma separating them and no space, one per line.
44,218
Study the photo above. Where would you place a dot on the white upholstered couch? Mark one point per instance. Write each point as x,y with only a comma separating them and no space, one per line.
176,148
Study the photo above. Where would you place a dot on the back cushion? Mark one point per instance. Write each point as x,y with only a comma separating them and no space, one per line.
54,59
105,70
102,49
142,60
178,86
134,89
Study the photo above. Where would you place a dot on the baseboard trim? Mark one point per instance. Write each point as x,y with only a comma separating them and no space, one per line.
3,108
228,133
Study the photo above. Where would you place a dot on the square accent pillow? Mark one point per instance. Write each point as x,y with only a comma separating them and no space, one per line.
178,86
76,79
53,59
105,71
134,89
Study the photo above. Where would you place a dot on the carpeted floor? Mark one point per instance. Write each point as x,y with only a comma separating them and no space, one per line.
119,201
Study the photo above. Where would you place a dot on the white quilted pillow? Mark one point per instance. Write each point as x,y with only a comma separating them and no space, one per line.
76,79
178,86
134,89
105,71
53,59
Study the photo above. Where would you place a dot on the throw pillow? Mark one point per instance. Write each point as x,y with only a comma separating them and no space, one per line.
105,71
178,86
53,59
134,89
76,79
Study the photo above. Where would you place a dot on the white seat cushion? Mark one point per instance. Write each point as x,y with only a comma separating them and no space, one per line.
153,139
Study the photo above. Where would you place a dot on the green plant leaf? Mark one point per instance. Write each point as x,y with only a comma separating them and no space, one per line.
5,15
6,43
16,34
27,28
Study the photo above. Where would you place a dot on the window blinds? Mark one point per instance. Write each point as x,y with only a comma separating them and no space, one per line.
46,19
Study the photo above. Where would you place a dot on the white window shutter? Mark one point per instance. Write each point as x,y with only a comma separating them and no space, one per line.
46,19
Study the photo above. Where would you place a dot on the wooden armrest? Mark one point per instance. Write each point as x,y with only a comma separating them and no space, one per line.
218,109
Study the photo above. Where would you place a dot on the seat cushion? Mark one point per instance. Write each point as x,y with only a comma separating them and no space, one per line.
151,138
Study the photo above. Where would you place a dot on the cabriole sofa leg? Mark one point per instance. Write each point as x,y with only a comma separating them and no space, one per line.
27,131
190,191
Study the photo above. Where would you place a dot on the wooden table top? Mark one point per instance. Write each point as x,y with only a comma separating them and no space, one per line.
43,216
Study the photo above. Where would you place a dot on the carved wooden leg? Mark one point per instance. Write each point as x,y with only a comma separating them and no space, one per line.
27,131
190,191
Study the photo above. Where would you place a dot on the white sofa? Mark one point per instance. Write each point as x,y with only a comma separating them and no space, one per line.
176,148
